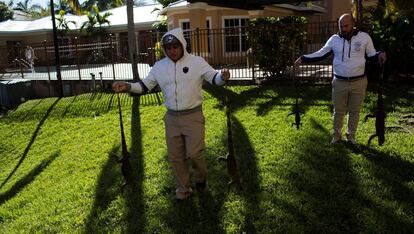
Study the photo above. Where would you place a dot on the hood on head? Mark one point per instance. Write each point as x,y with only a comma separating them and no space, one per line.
177,33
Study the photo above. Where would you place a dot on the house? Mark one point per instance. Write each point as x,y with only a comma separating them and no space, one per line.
223,40
211,28
15,34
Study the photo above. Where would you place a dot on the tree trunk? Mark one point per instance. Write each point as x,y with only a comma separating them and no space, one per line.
132,39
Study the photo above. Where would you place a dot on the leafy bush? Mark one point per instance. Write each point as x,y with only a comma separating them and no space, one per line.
392,30
274,38
159,53
160,26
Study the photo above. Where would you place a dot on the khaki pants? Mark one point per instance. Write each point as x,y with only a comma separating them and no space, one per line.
185,140
347,97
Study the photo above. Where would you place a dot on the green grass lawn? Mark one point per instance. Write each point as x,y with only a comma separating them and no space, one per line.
58,173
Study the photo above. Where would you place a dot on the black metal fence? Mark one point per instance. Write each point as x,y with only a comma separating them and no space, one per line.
108,57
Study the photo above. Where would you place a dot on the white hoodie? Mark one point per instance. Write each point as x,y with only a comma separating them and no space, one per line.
181,81
349,55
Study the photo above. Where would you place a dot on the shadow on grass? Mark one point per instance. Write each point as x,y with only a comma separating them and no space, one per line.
68,106
110,182
200,213
106,191
244,153
394,173
32,140
27,113
273,96
30,177
135,217
87,105
249,174
330,194
326,185
397,97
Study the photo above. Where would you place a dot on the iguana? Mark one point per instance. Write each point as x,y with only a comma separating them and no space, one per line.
230,158
126,168
379,114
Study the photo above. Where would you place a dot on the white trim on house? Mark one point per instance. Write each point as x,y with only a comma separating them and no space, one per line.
302,7
209,40
170,24
181,21
223,18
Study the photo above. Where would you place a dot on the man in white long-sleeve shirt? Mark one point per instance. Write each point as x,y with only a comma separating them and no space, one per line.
350,48
180,76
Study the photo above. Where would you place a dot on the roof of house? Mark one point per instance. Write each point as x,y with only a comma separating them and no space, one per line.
248,4
301,6
143,16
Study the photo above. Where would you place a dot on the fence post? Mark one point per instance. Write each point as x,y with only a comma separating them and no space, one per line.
20,61
198,40
100,75
47,61
48,68
112,56
93,82
253,65
77,57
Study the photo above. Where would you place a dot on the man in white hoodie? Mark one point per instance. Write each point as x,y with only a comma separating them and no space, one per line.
180,76
350,48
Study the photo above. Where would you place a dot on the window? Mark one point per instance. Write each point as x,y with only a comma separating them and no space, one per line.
235,38
209,34
185,25
64,46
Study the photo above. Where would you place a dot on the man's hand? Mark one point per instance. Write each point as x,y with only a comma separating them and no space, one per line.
298,62
382,57
121,86
225,74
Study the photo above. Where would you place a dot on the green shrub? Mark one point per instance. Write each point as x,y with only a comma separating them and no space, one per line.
392,30
274,38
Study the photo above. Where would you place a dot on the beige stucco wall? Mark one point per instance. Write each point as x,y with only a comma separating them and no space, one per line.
198,15
336,8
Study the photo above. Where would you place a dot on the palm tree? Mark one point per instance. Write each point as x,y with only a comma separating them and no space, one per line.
103,4
31,10
132,39
94,25
6,11
165,3
131,31
63,24
76,6
67,7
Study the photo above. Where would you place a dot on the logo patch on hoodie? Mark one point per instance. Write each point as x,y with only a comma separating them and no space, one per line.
170,38
357,46
185,69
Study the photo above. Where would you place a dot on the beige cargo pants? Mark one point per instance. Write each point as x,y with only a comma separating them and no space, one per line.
185,143
347,97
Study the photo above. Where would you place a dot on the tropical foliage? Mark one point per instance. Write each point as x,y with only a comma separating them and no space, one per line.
103,4
63,24
275,36
32,10
94,26
392,29
5,11
67,6
165,3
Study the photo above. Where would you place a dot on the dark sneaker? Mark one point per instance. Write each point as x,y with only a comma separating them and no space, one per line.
201,186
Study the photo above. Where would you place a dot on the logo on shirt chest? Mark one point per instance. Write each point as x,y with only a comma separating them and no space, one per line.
357,46
185,69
